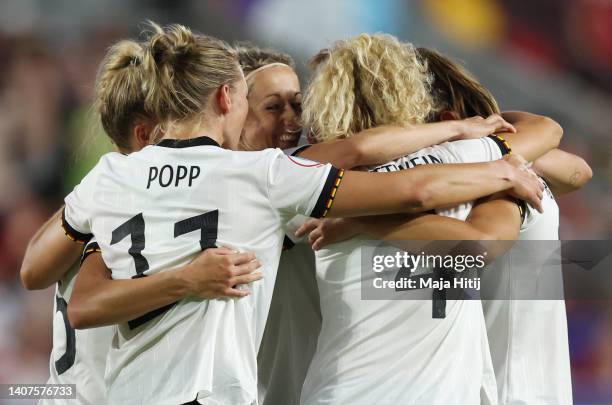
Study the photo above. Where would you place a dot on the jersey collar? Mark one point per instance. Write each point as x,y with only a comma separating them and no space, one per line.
186,143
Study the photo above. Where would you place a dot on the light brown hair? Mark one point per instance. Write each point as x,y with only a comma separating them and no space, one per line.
455,89
252,57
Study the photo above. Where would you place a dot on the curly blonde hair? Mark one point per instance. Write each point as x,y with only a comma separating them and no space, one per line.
366,81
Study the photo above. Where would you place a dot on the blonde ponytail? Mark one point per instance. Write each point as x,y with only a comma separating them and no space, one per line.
119,96
182,70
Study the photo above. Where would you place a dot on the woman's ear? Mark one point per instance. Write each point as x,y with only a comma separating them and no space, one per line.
224,101
448,115
142,134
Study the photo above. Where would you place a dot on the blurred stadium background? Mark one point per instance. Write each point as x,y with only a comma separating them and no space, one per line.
552,57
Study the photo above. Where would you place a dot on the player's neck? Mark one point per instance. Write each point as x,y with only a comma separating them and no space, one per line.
214,132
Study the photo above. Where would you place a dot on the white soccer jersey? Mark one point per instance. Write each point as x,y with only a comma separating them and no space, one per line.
156,209
78,356
294,320
293,326
528,338
394,352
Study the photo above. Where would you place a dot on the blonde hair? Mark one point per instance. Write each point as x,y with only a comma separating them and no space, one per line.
119,95
182,70
363,82
454,88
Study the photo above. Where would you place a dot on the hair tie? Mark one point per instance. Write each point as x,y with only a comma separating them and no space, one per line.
259,69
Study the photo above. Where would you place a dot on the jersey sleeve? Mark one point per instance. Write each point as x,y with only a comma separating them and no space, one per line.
295,151
301,186
90,247
486,149
77,212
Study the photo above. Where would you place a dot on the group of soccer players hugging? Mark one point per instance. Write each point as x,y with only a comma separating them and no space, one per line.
193,265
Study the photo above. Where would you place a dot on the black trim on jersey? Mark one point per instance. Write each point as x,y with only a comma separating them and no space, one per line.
547,189
438,303
504,147
522,206
287,243
92,247
299,150
134,323
326,198
72,233
65,362
186,143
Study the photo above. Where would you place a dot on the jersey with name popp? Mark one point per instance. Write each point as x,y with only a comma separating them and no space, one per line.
154,210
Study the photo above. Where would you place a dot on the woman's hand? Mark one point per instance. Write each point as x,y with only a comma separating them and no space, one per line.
478,127
322,232
526,185
217,272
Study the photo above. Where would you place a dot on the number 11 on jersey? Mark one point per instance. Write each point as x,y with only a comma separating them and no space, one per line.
207,223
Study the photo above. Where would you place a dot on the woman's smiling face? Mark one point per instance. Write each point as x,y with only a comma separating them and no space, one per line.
275,108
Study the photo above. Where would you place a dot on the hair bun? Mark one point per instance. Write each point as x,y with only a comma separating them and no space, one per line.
170,46
119,94
181,69
124,54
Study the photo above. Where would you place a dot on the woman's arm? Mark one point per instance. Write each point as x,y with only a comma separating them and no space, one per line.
563,171
385,143
495,223
98,300
535,134
432,186
395,227
49,255
497,219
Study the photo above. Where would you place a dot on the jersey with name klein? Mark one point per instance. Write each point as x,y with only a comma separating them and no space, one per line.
466,151
394,352
78,356
156,209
